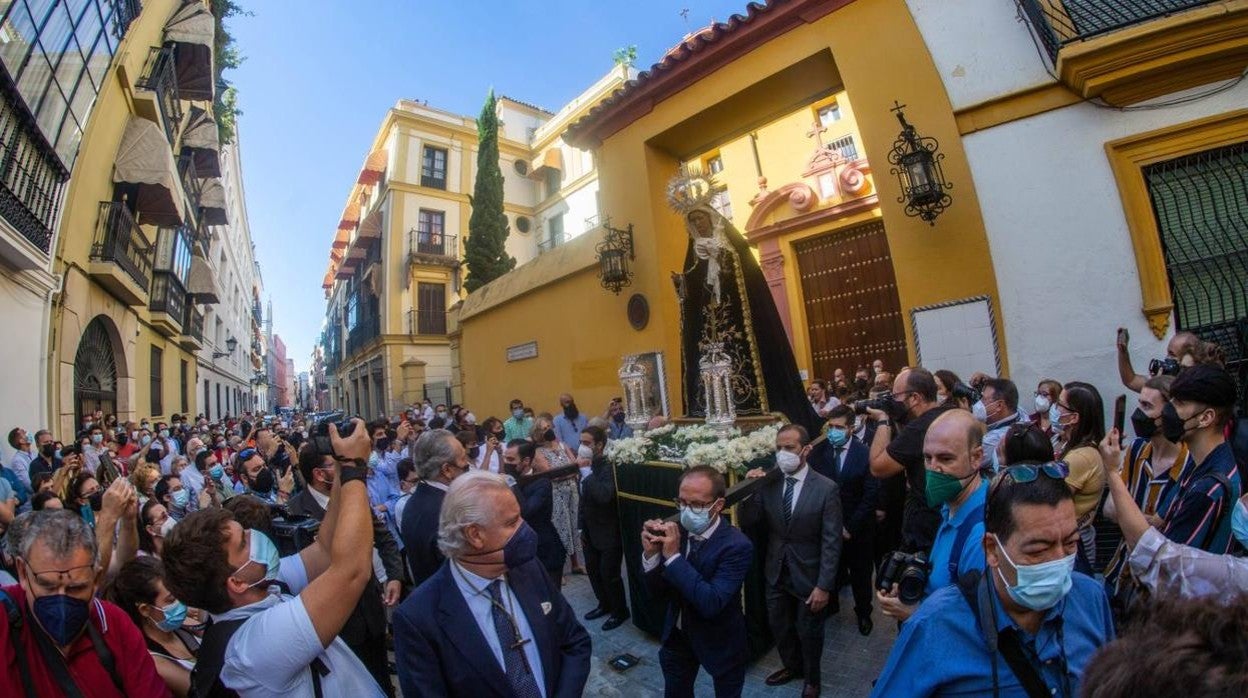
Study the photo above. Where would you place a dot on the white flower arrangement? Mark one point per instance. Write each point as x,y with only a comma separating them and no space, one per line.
695,445
635,449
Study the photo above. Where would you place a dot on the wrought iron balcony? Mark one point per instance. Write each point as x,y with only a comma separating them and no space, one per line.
31,173
439,248
124,13
192,329
160,78
191,184
1061,23
366,329
120,246
426,321
550,242
167,304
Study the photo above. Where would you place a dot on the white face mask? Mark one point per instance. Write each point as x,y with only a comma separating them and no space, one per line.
167,526
585,452
789,462
980,411
1043,403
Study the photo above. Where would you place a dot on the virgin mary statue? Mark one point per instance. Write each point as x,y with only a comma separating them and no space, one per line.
725,302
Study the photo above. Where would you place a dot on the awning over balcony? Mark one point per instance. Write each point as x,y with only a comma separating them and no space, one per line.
374,167
370,227
342,238
201,140
212,202
145,161
199,282
350,214
193,29
552,158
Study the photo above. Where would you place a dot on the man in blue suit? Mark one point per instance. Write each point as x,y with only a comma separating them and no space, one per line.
439,458
699,573
489,622
537,505
845,460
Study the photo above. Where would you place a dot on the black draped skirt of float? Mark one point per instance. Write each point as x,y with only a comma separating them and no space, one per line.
746,321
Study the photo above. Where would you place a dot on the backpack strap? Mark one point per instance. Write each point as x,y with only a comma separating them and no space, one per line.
19,645
103,652
980,595
975,516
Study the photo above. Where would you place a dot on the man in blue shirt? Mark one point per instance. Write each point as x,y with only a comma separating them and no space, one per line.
570,423
952,452
1047,621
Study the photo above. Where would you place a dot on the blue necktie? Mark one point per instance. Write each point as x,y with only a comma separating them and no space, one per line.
519,677
788,499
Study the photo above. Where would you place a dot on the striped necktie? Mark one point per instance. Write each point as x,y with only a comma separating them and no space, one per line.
789,482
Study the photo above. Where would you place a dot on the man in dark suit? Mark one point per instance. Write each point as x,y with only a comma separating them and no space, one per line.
489,622
700,574
801,510
439,458
365,630
600,522
537,505
845,460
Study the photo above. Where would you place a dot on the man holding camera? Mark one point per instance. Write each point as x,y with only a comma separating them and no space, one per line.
913,403
1029,625
365,631
952,451
802,513
699,573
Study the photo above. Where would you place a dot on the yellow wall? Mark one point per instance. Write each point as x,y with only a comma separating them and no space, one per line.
91,183
582,330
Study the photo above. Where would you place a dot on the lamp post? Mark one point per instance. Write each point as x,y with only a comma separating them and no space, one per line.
915,159
230,345
614,253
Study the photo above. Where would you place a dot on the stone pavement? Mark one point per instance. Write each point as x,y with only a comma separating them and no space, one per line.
850,661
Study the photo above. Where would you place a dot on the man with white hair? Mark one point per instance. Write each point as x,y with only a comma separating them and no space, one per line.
489,621
439,458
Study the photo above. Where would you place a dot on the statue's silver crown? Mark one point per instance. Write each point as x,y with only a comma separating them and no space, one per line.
689,190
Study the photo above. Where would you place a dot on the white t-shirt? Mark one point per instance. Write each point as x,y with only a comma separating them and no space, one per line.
269,654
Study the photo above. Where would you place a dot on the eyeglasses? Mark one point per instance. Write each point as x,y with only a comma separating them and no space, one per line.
72,577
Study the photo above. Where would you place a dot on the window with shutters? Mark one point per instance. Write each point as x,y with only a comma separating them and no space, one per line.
430,308
184,377
1201,205
157,406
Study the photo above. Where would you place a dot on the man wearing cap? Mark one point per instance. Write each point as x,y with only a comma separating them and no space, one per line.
1202,399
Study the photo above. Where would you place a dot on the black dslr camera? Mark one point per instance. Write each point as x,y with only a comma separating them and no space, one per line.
962,391
319,438
292,532
1164,367
909,572
878,403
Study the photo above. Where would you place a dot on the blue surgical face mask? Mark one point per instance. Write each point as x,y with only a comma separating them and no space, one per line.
1055,418
1239,523
175,614
694,520
181,498
837,436
262,552
1040,586
518,414
217,471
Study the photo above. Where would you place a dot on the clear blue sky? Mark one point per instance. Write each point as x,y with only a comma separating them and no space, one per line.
319,76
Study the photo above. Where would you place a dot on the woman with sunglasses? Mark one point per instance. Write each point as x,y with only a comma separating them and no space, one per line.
1079,417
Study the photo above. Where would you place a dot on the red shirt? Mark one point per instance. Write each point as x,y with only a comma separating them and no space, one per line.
134,665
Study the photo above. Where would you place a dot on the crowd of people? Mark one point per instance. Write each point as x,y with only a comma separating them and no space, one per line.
1021,546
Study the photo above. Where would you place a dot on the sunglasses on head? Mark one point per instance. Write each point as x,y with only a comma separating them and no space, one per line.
1023,473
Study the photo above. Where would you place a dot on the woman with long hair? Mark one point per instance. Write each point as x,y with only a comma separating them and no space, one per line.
1078,417
551,453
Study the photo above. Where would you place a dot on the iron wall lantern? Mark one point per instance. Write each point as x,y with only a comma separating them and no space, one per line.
915,159
614,254
230,345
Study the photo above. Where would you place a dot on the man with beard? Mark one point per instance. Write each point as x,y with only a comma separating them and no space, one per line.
570,424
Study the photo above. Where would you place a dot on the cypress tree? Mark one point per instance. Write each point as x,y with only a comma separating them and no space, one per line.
485,249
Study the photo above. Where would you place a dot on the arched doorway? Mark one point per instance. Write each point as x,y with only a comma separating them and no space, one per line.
95,372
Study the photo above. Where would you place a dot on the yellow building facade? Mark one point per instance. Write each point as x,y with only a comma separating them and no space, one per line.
749,94
137,228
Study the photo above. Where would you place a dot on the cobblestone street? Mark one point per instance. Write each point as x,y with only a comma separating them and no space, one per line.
850,661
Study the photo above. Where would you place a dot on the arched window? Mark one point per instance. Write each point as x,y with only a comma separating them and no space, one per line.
95,372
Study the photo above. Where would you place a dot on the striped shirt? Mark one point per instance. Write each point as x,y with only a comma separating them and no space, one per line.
1201,517
1154,493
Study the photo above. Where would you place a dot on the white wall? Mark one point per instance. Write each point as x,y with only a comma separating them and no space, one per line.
24,354
980,48
1066,271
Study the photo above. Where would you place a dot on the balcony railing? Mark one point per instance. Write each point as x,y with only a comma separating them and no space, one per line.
846,146
550,242
160,77
31,173
118,239
124,13
366,329
168,296
193,324
424,243
428,321
1061,22
191,182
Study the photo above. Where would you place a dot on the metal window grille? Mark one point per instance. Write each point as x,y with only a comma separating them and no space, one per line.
1201,205
1060,23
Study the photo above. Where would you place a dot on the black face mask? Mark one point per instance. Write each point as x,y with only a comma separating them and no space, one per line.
264,481
618,417
1173,427
499,435
1145,426
96,500
571,412
48,451
382,444
474,451
549,435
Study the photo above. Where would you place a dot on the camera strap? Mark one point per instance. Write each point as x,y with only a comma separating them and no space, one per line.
979,595
973,517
